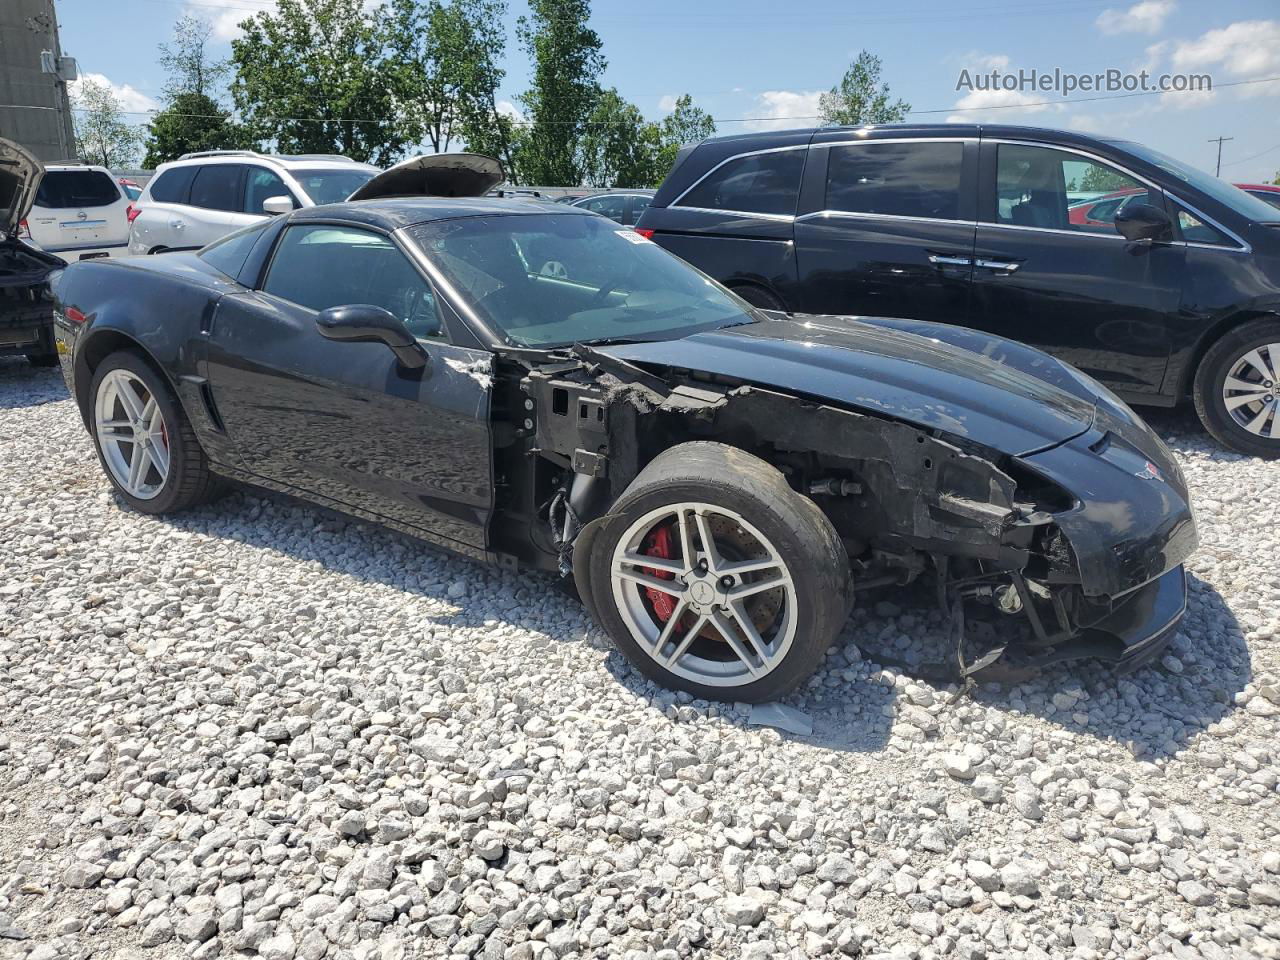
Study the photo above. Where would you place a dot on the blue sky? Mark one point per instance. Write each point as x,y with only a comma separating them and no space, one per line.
766,62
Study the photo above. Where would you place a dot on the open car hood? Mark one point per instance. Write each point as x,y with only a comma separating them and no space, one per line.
20,175
436,175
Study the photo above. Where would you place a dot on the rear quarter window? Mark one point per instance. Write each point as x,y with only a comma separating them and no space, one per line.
767,183
173,185
77,188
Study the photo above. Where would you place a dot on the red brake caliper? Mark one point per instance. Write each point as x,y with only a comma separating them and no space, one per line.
658,544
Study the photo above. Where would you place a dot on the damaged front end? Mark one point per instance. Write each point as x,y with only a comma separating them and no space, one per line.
1006,541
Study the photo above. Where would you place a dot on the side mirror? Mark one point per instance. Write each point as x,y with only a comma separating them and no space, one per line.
1142,221
366,323
276,205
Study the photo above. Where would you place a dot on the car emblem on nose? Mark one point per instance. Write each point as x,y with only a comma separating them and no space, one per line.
1148,472
82,215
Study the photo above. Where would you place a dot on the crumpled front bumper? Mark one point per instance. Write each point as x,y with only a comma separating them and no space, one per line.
1132,521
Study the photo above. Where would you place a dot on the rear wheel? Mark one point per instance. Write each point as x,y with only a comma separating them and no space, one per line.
1237,389
144,440
716,578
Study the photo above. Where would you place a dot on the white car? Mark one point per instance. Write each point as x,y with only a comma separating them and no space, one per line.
80,212
201,197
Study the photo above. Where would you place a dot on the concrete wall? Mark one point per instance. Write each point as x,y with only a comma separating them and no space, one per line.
34,109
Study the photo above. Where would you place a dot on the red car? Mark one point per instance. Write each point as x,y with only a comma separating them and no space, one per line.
1101,211
1268,192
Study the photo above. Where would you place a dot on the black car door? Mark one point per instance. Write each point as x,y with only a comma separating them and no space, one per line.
343,421
1045,274
886,226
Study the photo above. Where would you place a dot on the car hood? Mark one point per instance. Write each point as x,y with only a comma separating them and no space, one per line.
20,175
1002,395
435,175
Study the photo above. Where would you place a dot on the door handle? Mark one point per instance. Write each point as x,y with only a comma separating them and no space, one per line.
177,224
943,261
1008,266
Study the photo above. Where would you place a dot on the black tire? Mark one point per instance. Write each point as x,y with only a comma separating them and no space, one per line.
189,481
759,297
1211,376
726,477
42,359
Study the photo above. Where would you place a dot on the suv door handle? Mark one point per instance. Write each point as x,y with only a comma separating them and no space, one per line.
1008,266
177,224
944,261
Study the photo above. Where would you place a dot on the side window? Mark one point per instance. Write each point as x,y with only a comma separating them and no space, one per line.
1043,187
320,266
760,183
611,207
1267,196
639,204
1195,230
173,185
217,187
897,179
261,184
228,254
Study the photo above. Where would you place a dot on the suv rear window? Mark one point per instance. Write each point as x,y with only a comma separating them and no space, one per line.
77,188
172,185
759,183
217,187
896,179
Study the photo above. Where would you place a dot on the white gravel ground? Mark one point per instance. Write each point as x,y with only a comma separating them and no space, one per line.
260,730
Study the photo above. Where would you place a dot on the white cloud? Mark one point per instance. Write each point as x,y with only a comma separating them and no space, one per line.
1148,16
1006,105
667,103
1244,50
780,109
1152,57
131,99
226,20
508,109
986,62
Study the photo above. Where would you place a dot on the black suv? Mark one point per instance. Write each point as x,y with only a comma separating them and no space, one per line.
1175,294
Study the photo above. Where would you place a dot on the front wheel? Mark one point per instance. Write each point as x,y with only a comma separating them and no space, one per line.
716,578
1237,389
144,440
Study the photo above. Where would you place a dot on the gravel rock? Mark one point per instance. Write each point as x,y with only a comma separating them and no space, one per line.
334,744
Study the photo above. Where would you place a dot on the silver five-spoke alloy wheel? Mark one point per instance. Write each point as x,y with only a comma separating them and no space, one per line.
132,434
1251,393
719,608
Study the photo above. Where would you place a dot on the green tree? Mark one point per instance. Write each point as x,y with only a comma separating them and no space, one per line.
1099,179
618,148
188,62
443,66
567,64
312,77
102,136
684,124
1276,181
861,96
191,122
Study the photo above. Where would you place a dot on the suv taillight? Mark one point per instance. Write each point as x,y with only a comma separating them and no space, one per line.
132,212
646,232
24,231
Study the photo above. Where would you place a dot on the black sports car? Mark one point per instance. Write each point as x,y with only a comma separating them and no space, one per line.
26,313
535,386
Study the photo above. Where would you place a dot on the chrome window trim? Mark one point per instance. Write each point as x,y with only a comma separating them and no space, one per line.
856,215
780,217
1067,233
737,156
1106,161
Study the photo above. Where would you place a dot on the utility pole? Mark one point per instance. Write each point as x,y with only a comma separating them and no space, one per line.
1219,141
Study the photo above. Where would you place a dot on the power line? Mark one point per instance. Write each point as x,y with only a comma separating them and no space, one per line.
1236,163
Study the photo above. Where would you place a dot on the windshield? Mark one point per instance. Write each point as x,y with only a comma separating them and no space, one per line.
332,186
544,280
1246,205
